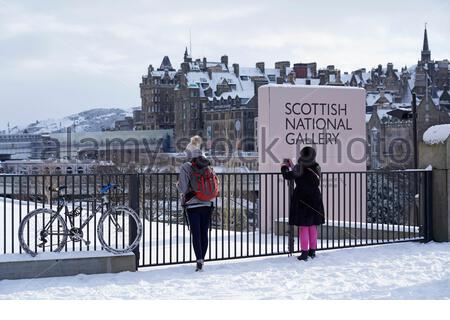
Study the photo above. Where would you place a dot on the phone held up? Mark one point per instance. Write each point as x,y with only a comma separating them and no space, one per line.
288,162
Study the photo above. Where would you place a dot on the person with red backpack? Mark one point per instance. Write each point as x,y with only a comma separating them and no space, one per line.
199,186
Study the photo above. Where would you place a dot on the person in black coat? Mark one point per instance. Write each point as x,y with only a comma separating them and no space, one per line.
306,209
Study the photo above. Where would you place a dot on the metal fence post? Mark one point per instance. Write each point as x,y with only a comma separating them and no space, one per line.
291,242
428,232
133,203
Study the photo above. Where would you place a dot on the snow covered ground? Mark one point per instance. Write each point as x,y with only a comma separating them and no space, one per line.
394,271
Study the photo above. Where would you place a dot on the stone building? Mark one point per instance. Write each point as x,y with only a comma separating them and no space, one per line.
430,113
390,143
157,96
214,99
126,124
219,101
23,146
430,76
330,76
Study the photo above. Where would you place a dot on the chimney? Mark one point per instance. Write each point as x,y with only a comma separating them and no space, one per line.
282,65
183,80
322,77
258,83
380,69
224,60
390,68
301,70
209,73
260,66
236,69
150,69
291,77
204,63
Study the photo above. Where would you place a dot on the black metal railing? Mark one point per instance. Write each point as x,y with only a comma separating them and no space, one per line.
250,216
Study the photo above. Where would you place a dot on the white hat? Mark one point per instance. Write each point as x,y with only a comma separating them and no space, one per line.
193,148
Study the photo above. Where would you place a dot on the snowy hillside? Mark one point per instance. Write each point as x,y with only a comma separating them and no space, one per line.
85,121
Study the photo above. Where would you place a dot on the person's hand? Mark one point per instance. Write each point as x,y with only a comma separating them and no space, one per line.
290,164
287,163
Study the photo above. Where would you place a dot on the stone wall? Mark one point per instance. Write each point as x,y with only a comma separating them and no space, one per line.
438,156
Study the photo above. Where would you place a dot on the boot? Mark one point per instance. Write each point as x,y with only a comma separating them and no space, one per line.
312,253
303,256
199,266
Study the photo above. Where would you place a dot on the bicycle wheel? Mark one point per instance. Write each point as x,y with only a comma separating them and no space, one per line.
42,230
114,229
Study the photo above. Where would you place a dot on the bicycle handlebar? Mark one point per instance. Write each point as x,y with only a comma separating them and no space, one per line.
109,186
103,189
57,189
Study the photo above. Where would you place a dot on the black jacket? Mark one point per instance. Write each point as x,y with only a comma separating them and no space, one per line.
306,208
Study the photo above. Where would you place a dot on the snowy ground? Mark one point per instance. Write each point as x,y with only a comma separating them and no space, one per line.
394,271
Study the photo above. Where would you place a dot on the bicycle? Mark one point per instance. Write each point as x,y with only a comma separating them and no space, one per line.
45,227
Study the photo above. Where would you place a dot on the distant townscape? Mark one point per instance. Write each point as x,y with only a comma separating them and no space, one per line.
218,100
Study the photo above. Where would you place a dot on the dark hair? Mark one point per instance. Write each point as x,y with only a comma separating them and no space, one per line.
307,156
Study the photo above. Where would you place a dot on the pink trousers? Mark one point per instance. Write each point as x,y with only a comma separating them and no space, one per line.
308,238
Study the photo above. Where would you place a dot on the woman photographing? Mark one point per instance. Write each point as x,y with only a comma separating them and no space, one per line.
306,209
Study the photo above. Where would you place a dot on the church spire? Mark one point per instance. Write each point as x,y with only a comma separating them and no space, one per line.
425,40
185,54
426,53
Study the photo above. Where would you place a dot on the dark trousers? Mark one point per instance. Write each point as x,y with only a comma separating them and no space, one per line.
199,220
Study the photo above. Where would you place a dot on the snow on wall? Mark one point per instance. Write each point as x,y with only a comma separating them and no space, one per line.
437,134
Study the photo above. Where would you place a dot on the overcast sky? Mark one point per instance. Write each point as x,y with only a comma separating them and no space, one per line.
61,57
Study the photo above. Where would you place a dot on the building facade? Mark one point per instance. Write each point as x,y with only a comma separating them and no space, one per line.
390,140
157,97
214,99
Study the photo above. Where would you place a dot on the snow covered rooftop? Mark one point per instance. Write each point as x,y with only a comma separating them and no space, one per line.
383,113
437,134
373,98
242,86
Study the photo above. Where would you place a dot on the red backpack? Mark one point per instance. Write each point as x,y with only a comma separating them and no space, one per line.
204,181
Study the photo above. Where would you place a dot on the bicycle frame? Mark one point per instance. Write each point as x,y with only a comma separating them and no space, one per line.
62,204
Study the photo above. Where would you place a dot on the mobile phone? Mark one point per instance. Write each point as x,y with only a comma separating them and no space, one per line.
288,162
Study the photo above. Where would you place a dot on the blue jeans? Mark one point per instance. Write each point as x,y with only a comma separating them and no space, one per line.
199,220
